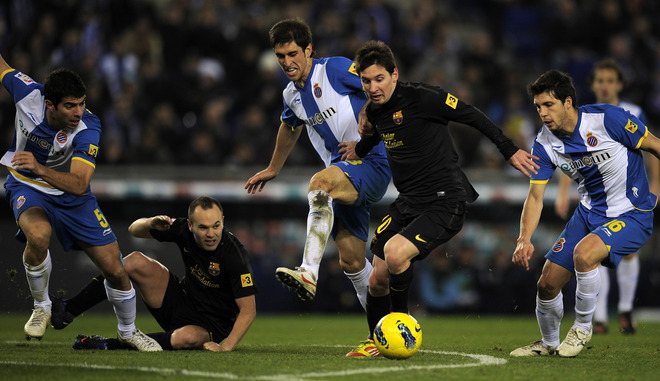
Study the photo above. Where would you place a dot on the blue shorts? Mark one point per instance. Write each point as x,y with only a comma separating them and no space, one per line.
75,219
623,235
370,177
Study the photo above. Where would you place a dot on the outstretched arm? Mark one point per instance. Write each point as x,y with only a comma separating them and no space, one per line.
4,66
140,228
286,140
248,311
522,161
529,220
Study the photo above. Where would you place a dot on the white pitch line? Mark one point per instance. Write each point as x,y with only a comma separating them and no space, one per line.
482,360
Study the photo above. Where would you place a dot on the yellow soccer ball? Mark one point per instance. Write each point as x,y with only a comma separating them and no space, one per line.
398,335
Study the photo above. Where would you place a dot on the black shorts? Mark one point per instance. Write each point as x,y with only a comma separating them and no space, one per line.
178,311
426,227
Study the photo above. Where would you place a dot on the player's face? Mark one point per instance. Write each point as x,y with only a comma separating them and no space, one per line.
606,86
378,83
67,114
295,61
555,114
206,226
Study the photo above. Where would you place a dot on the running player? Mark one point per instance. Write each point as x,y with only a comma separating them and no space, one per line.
607,81
51,162
325,95
411,119
599,147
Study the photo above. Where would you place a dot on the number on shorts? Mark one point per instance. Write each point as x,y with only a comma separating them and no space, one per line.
102,221
615,225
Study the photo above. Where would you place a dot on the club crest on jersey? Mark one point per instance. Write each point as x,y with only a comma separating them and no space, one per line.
214,268
451,101
61,137
591,140
25,78
20,201
631,127
558,245
397,117
317,91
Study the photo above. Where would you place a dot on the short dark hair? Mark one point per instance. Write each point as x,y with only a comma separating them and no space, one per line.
375,53
204,202
556,83
607,64
62,83
288,30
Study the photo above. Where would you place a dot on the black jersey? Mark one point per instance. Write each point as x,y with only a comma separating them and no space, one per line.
213,279
413,124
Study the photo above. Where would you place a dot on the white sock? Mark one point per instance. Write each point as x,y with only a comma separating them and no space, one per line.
123,302
360,281
319,226
586,293
600,314
627,274
549,314
37,278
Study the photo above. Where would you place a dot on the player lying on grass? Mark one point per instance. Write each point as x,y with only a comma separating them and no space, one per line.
210,308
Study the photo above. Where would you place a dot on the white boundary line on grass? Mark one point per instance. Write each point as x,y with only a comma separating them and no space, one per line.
481,360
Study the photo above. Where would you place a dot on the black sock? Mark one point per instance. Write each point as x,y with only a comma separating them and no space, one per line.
399,285
164,339
377,307
88,297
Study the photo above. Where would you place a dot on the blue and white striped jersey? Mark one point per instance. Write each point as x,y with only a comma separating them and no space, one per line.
329,104
52,148
602,156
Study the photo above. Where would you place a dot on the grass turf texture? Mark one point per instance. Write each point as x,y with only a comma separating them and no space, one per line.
312,347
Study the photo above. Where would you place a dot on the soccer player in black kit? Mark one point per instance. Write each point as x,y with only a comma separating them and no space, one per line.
210,308
411,119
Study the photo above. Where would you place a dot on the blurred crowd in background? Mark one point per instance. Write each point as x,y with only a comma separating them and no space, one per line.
195,82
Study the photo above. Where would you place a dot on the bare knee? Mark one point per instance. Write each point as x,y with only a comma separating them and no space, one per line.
352,265
134,262
546,291
379,284
320,182
189,337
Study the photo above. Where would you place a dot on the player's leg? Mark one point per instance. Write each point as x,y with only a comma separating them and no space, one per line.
549,310
189,337
66,310
148,275
353,261
35,225
121,295
378,305
627,274
324,187
398,253
600,314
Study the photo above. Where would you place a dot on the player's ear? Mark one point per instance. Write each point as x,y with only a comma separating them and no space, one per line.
189,224
308,51
395,74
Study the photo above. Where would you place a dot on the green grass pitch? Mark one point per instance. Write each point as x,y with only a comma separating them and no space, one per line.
312,347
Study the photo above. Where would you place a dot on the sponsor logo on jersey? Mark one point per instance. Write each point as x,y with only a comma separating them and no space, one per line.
558,245
93,150
214,268
25,78
631,127
42,143
352,69
397,117
20,201
317,91
451,101
61,137
320,117
586,161
591,140
246,280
